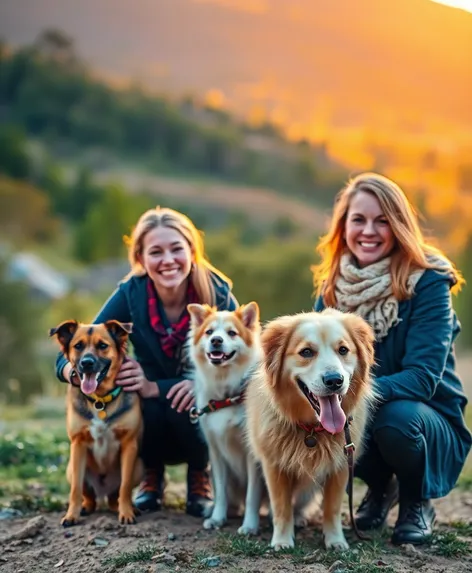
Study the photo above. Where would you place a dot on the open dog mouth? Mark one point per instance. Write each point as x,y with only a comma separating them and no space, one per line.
217,357
327,408
89,381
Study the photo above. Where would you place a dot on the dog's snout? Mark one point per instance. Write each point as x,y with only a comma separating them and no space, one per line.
87,363
333,380
216,341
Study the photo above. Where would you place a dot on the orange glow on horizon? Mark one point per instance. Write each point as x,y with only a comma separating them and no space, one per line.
461,4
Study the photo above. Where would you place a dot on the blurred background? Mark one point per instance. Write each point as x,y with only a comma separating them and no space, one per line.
247,115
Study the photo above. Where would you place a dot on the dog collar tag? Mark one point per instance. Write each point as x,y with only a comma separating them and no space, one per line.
310,440
99,405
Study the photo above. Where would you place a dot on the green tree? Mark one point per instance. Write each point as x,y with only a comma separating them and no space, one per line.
20,325
14,159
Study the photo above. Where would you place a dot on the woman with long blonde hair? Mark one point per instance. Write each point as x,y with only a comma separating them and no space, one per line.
376,262
169,270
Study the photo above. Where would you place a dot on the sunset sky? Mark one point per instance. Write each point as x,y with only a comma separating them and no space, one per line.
464,4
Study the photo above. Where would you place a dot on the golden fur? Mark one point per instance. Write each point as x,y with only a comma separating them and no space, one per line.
233,336
103,456
306,347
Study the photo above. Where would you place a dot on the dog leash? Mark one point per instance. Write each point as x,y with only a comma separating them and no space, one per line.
214,405
349,448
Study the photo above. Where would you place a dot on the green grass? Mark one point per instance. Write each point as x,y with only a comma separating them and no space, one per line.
447,544
362,559
465,479
142,553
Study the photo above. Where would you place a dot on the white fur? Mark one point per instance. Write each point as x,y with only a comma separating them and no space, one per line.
237,477
105,450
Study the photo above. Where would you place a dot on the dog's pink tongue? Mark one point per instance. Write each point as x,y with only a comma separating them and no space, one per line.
88,383
332,417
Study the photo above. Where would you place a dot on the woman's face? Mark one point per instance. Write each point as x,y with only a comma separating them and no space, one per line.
166,257
368,234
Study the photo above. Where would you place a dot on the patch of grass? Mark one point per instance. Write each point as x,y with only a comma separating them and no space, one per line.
140,554
368,558
447,544
462,527
32,470
240,545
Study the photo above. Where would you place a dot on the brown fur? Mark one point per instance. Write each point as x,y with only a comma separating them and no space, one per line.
97,450
275,404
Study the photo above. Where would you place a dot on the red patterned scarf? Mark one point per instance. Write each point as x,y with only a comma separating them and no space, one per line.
173,335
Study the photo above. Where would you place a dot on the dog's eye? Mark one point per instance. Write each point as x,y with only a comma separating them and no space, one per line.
343,350
306,353
209,332
102,345
79,346
232,333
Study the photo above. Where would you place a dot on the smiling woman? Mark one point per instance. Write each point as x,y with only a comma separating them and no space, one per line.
169,270
376,263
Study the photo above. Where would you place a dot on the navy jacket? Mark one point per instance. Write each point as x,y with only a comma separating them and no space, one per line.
416,360
129,303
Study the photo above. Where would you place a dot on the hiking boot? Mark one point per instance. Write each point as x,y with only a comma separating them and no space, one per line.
415,522
374,508
151,491
199,493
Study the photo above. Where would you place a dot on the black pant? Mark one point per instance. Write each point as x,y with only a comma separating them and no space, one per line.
414,442
169,437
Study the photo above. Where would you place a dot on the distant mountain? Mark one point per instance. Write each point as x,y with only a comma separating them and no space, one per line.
317,65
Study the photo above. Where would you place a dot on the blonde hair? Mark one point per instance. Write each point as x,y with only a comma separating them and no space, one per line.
202,269
411,250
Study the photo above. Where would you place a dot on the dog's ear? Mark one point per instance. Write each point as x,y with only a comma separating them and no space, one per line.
363,336
199,312
64,332
275,339
119,331
249,314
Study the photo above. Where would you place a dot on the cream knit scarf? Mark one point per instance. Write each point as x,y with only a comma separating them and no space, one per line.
368,292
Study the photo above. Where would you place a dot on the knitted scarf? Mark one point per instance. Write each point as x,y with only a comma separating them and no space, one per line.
368,291
173,335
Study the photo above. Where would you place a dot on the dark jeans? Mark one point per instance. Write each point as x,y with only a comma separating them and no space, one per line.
169,438
414,442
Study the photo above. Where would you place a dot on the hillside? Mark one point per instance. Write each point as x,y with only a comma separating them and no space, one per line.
321,67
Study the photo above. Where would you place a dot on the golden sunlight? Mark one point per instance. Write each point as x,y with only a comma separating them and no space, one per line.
462,4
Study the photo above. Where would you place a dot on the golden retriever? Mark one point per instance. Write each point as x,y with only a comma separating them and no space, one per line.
314,376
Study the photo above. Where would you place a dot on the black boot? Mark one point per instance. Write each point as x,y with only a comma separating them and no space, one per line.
374,508
199,493
415,522
151,490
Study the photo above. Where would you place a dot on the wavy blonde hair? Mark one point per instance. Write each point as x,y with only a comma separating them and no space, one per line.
202,269
411,250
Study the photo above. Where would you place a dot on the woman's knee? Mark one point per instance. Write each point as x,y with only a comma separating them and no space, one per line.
397,432
401,415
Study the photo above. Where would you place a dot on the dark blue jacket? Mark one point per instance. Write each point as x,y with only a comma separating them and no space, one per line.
129,303
416,360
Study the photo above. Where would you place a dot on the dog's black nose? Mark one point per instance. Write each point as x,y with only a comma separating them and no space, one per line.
216,341
333,380
87,363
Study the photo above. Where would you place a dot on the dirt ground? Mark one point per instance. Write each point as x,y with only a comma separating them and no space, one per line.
172,541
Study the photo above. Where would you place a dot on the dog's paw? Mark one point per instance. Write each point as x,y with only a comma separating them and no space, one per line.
337,542
248,530
281,542
212,523
87,510
300,521
126,516
69,520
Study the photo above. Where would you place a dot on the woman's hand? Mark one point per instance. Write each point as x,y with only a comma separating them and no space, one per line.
132,378
182,396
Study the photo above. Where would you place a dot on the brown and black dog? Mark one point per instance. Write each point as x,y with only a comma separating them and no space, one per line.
104,424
